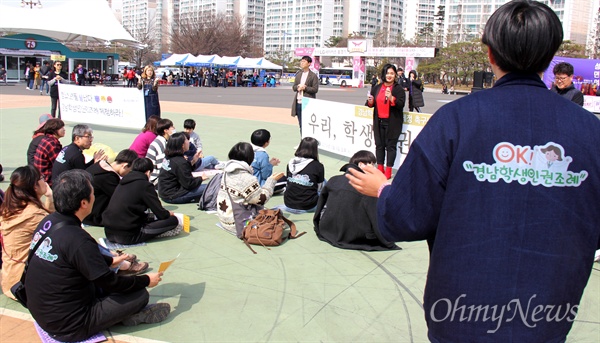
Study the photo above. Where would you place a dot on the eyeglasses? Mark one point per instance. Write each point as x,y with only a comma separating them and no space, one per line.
561,79
90,137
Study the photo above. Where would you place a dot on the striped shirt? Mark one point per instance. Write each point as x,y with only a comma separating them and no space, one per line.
156,153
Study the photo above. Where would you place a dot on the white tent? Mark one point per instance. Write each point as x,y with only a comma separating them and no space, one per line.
62,21
257,63
200,60
227,61
175,60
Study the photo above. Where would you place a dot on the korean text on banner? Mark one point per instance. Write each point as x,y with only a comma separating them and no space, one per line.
110,106
345,129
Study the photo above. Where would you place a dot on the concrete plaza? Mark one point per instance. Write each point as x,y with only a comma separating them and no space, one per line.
219,291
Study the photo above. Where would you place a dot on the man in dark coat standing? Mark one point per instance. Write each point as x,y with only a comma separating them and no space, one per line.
306,84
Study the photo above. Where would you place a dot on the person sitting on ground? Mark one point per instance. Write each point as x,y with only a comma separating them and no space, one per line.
142,142
47,125
156,150
48,149
176,184
305,178
125,219
262,165
64,278
206,162
105,179
71,156
239,185
345,218
20,214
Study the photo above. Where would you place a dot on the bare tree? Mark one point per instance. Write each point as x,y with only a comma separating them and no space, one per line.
209,34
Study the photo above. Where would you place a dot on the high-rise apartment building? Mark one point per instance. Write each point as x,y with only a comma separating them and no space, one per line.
310,23
465,19
278,25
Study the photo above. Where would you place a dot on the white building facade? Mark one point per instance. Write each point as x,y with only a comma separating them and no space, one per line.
290,24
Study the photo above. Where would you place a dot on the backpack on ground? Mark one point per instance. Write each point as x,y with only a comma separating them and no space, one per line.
208,200
267,229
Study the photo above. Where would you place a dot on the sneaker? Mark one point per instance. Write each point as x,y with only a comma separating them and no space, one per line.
154,313
135,269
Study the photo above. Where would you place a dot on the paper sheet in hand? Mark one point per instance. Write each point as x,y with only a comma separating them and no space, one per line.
164,265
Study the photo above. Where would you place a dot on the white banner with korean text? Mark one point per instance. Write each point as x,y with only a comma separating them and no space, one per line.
110,106
591,103
345,129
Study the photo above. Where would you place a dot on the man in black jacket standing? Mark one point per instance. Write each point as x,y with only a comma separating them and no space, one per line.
563,83
72,294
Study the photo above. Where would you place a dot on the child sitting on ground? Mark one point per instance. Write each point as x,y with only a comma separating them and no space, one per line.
305,178
262,165
207,162
345,218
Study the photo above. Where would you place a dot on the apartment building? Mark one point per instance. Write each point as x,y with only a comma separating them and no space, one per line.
465,19
303,23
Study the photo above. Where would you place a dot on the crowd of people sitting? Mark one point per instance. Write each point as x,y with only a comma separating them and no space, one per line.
125,197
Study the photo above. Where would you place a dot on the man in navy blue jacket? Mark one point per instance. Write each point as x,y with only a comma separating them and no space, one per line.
504,185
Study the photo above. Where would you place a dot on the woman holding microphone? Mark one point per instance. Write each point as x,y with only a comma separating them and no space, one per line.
387,100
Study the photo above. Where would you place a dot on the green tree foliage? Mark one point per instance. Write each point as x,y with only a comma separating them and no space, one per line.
571,49
455,63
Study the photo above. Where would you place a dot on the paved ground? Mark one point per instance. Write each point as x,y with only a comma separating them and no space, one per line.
304,290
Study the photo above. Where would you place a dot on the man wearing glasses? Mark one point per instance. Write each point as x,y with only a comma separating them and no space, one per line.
563,83
54,78
71,156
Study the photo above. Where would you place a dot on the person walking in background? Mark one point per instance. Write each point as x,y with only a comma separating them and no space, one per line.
148,83
494,242
415,92
387,100
402,81
80,73
44,72
37,77
563,83
58,75
306,84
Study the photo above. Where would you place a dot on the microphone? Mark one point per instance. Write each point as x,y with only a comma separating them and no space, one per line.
385,101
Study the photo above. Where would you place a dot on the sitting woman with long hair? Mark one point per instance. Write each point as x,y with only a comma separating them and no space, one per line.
305,178
20,214
176,184
141,143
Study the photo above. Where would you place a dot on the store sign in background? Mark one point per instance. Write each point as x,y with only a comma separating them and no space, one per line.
107,106
345,129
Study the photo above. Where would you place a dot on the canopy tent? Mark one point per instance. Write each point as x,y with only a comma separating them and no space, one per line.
175,60
257,63
200,60
227,62
54,20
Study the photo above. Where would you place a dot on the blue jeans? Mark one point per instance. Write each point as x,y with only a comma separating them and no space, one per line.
293,210
207,162
44,83
189,197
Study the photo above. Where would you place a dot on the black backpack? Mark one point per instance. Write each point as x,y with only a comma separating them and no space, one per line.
208,200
